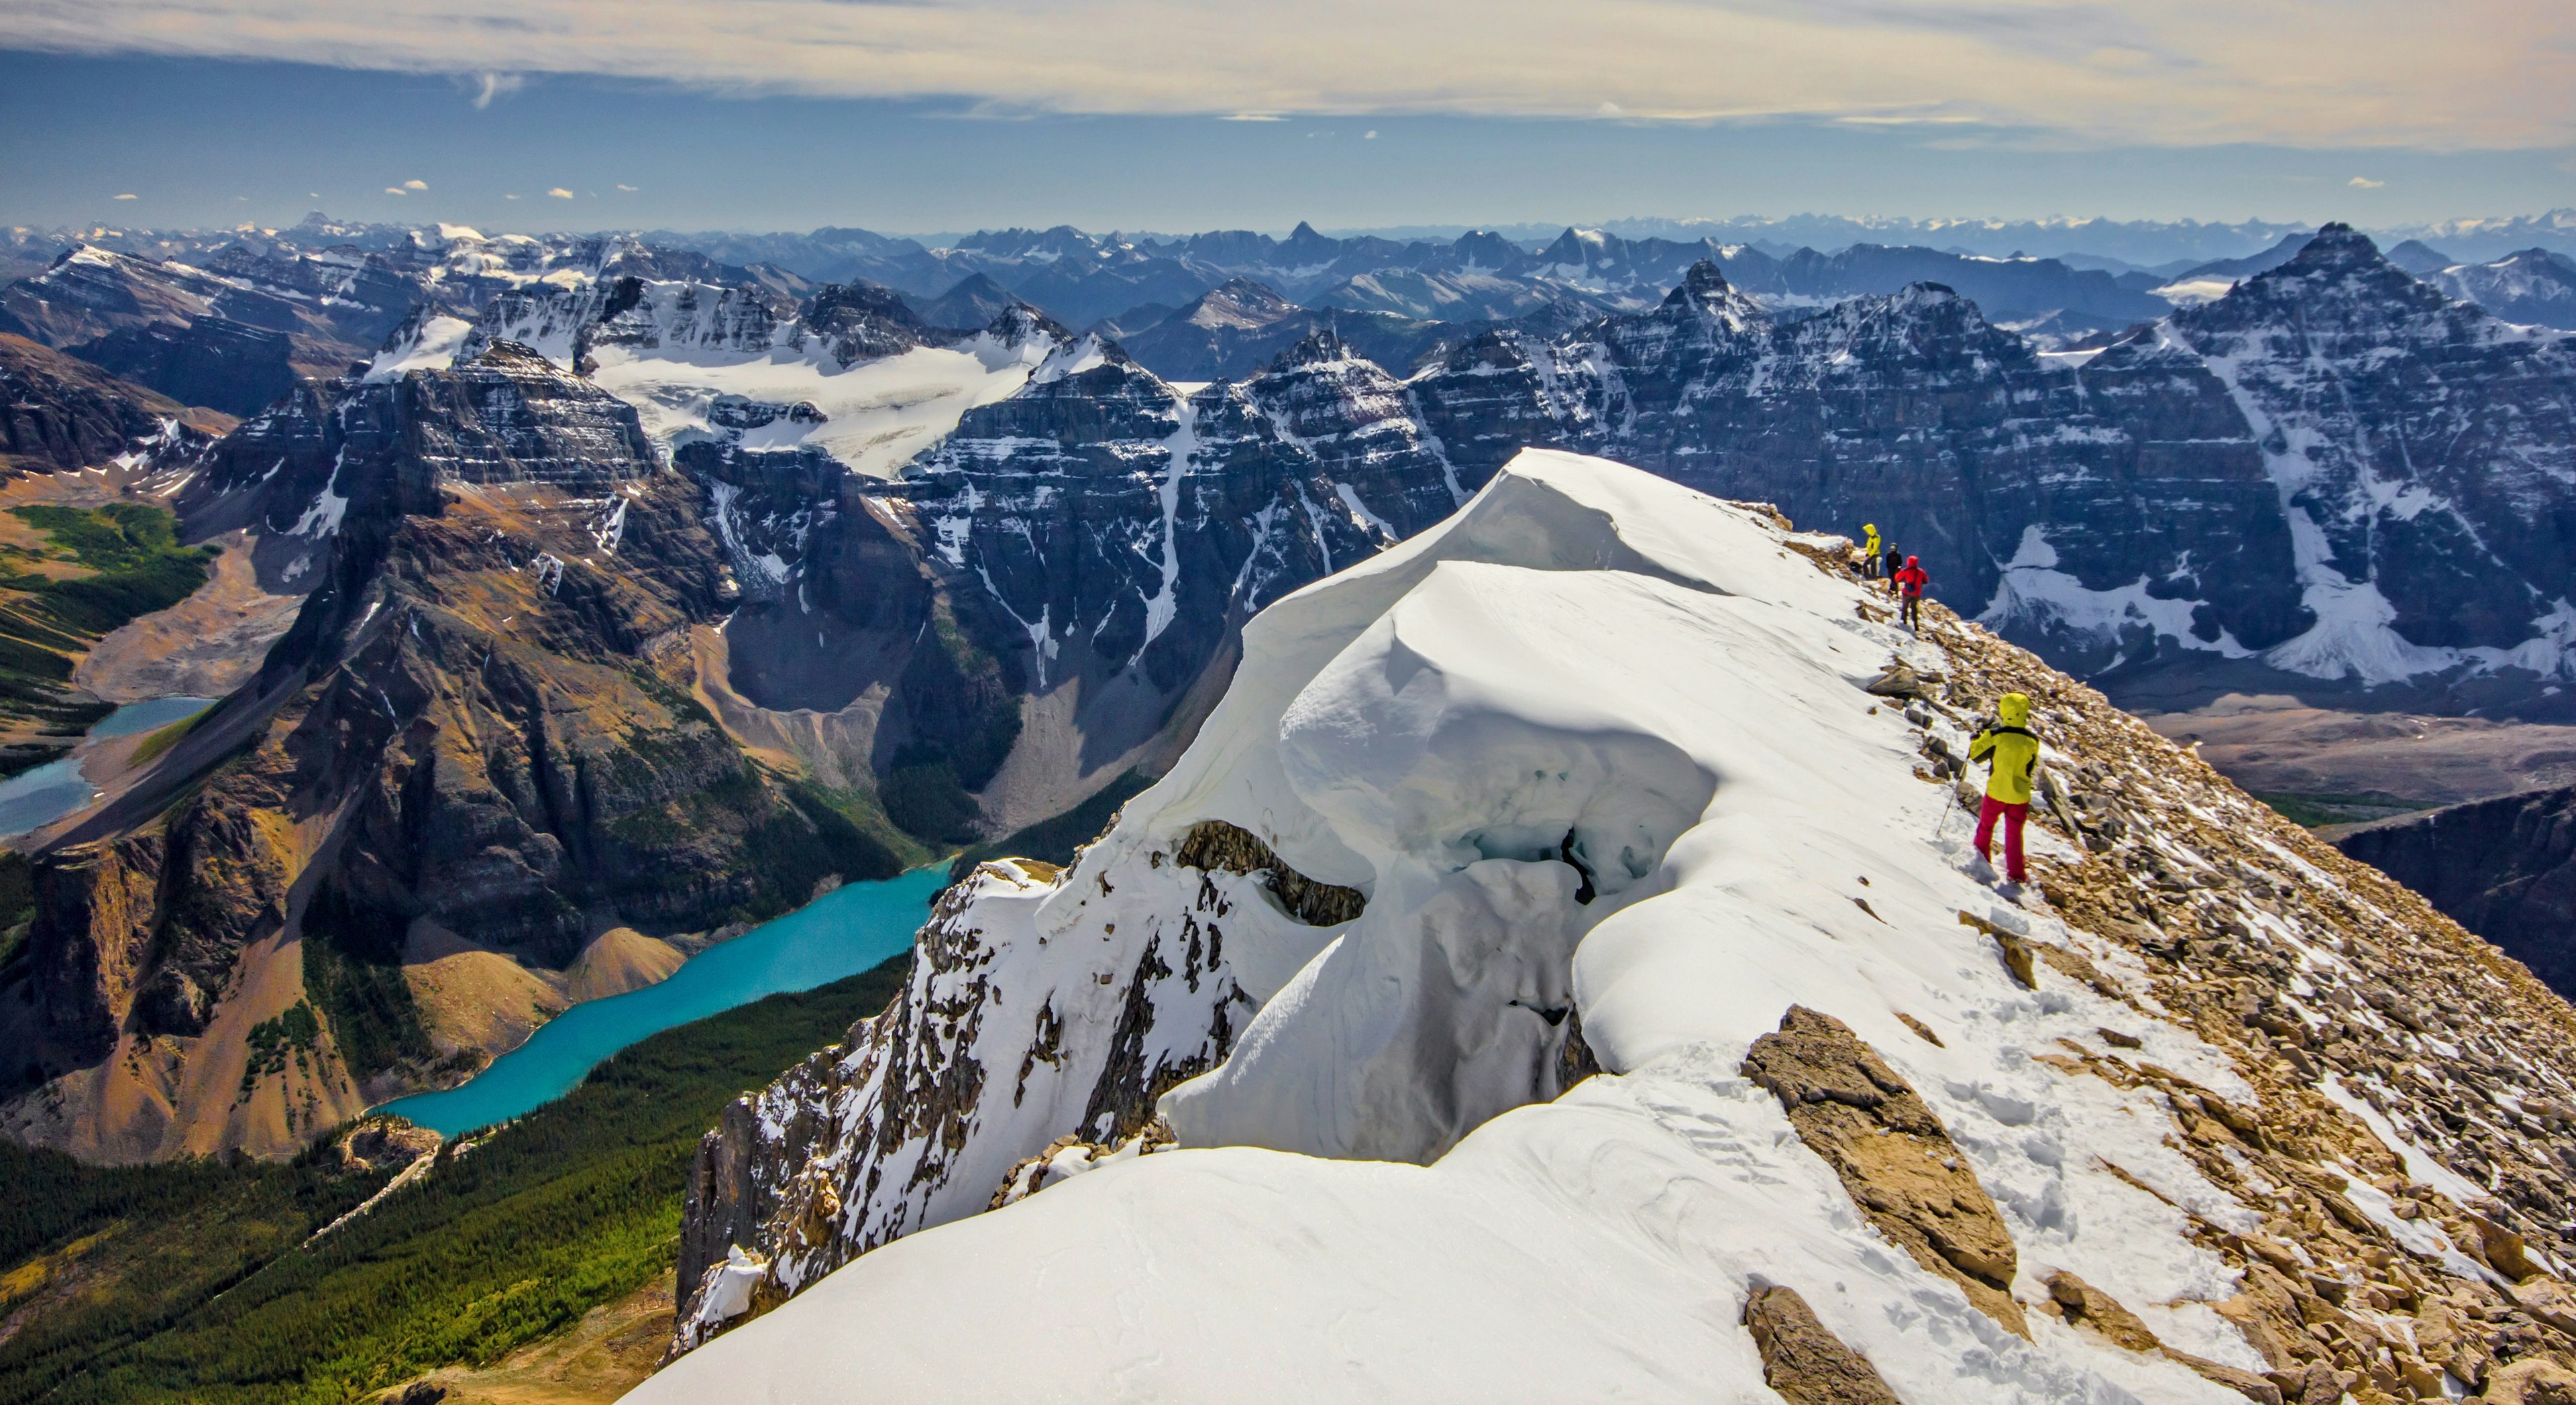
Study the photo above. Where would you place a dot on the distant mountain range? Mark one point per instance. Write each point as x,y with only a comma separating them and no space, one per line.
650,587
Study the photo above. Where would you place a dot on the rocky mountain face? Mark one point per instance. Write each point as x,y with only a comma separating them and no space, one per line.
2417,468
1510,894
230,322
221,364
1080,552
2184,510
480,734
1233,330
2504,868
2534,286
2287,480
59,413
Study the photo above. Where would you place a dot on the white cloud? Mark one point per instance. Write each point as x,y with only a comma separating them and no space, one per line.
488,86
626,188
395,190
1252,117
124,197
560,193
1369,135
415,185
2365,183
2474,73
509,197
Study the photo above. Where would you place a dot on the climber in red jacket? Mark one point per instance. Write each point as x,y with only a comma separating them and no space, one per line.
1910,580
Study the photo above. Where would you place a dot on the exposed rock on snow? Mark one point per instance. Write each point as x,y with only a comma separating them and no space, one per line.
1892,1154
1218,847
1805,1363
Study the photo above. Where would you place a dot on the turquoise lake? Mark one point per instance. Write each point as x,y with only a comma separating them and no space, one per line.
36,798
840,934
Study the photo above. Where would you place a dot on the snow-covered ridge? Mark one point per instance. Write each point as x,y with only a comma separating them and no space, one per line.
1595,764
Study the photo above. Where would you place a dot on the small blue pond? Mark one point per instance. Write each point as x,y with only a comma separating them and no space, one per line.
148,716
840,934
34,799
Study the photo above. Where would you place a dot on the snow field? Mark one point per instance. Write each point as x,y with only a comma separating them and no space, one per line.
1586,660
877,414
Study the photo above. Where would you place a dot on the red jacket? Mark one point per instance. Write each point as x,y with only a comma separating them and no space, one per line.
1911,579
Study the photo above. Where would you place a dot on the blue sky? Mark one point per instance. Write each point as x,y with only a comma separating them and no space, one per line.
288,108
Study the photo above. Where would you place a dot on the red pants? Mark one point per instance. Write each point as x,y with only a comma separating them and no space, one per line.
2012,816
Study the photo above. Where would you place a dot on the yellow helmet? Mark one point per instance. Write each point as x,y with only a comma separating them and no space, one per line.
2013,709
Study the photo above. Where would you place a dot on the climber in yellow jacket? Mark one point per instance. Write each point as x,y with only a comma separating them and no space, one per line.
2011,749
1869,549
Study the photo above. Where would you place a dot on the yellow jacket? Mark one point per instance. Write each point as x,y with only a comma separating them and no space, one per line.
2013,750
1869,541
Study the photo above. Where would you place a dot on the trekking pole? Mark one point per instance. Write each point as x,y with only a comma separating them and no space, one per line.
1951,804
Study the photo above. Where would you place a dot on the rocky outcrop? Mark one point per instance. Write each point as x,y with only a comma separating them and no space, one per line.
1214,846
94,950
2503,868
1892,1155
1805,1363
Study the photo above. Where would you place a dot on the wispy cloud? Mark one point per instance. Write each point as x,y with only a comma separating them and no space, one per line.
560,193
415,185
124,197
2365,183
489,85
628,188
2474,73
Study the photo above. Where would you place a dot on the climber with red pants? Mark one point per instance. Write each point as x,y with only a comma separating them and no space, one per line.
2012,749
1910,580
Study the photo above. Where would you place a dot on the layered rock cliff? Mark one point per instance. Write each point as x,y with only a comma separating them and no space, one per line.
2504,868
